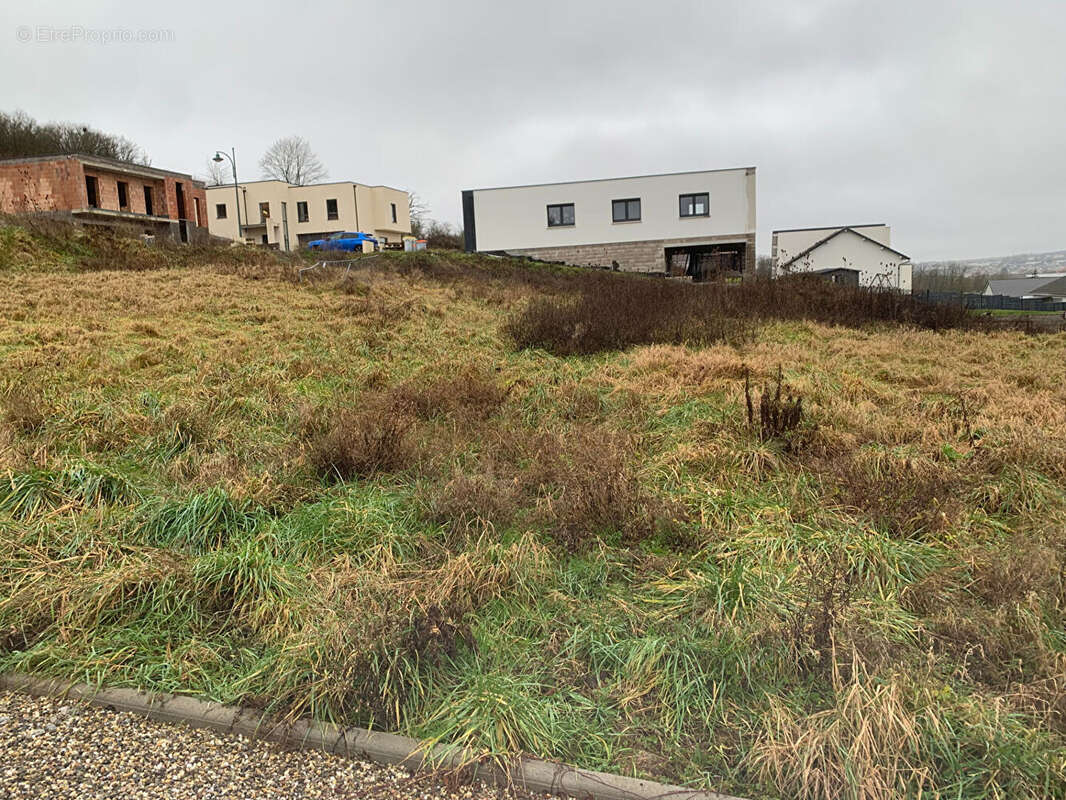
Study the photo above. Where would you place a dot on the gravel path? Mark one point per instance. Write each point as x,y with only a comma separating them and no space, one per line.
54,748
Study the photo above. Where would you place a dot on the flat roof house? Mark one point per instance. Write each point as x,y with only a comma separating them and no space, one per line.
700,224
98,190
860,255
282,215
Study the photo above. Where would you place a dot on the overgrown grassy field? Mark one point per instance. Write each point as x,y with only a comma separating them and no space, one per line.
367,500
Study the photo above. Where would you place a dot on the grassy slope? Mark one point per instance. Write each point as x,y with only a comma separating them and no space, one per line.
874,609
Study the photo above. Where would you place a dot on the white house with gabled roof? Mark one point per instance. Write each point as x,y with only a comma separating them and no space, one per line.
860,255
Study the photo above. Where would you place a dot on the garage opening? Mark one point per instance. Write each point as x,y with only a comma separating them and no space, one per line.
707,262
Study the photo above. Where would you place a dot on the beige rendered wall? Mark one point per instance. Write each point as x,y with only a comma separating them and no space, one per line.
359,208
379,211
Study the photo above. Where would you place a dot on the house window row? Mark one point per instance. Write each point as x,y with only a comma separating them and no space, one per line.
561,215
92,195
301,211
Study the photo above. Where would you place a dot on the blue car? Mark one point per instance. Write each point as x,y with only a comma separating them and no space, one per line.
343,241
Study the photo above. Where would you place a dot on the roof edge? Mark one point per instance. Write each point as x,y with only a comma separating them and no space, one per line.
619,178
830,227
833,235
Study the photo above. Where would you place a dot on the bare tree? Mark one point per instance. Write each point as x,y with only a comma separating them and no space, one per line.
442,236
419,211
217,173
291,160
21,135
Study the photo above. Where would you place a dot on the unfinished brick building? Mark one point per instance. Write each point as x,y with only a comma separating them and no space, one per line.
96,190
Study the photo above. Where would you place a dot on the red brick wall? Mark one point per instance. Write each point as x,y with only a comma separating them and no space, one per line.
107,192
190,190
196,191
57,185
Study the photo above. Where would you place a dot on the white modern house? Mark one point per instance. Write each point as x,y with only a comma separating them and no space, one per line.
859,255
287,217
696,223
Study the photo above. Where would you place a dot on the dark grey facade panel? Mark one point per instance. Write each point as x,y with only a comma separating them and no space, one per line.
469,231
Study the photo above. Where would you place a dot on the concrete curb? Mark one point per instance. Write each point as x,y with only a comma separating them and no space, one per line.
388,748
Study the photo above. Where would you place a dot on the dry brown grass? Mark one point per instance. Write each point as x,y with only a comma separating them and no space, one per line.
25,409
370,622
194,379
866,746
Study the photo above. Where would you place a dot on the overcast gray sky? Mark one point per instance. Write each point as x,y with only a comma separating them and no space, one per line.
944,118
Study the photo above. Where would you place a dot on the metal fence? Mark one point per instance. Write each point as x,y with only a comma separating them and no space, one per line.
991,301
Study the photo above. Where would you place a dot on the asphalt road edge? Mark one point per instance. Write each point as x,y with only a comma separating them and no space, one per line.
531,774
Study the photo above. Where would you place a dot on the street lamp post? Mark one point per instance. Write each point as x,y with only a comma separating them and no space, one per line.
236,192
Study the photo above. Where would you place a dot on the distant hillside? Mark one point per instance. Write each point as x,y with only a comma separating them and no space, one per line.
1021,264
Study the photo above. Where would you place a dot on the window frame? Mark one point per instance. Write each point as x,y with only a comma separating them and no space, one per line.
302,211
692,196
393,213
335,213
562,215
625,209
224,209
122,189
92,191
264,207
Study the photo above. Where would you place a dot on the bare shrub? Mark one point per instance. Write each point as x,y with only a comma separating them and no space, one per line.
468,502
600,311
359,444
612,312
580,484
598,492
25,409
828,585
469,390
899,497
779,418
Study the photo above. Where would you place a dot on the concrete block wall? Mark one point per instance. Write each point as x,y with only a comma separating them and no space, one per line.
643,256
631,256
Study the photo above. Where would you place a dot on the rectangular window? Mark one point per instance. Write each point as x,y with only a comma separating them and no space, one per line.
695,205
626,210
331,209
393,211
560,215
148,200
301,211
196,208
123,194
90,192
264,212
220,210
